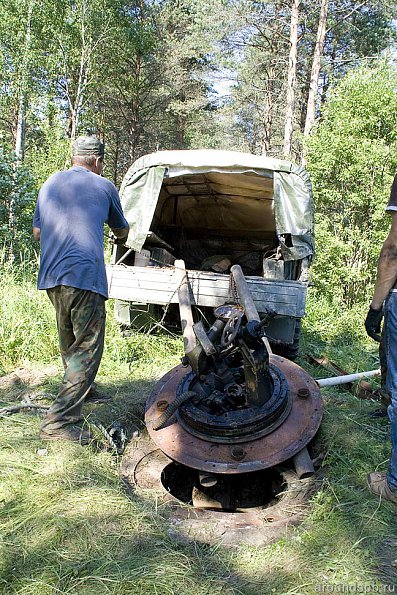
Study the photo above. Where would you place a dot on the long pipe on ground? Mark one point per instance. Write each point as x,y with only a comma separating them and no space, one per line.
346,378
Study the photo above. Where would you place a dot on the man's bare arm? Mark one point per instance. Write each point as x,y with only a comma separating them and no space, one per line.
121,232
387,266
36,233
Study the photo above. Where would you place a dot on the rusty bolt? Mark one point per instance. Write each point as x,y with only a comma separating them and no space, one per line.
237,453
303,393
162,405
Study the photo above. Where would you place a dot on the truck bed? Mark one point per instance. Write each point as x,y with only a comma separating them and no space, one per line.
156,285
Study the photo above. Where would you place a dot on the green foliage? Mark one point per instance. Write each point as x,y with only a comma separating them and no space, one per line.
27,329
48,149
18,194
337,333
352,159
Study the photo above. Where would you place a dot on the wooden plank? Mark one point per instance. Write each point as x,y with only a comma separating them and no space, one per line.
127,281
163,279
159,286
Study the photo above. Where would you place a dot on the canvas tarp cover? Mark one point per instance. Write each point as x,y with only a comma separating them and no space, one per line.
293,201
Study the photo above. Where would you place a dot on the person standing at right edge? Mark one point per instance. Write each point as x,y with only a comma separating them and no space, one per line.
384,303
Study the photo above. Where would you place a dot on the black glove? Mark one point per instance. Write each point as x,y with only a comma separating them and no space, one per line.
372,323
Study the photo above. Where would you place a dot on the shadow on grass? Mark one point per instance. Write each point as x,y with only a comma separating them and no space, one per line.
69,526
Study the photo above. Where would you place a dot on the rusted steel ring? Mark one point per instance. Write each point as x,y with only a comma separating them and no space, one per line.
239,425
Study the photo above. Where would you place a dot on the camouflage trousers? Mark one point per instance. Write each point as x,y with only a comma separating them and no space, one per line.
80,316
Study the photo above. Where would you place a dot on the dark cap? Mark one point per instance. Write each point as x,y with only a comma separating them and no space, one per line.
88,145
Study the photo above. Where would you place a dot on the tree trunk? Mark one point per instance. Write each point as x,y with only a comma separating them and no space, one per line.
21,118
21,129
76,95
273,59
315,72
116,159
268,115
20,133
291,84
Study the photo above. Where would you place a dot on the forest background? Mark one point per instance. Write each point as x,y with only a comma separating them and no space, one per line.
312,81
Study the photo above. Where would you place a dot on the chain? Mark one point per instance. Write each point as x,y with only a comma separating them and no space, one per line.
232,293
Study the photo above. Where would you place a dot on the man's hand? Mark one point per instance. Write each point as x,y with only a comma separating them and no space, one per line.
113,239
118,235
372,323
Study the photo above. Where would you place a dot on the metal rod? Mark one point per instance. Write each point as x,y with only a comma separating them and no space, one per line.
346,378
303,464
246,299
244,293
185,308
120,260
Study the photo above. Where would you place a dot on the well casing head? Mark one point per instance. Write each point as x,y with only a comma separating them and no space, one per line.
190,441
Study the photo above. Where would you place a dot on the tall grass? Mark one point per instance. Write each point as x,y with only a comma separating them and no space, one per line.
68,526
338,332
27,326
28,330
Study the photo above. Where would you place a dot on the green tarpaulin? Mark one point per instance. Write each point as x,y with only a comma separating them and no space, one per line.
285,192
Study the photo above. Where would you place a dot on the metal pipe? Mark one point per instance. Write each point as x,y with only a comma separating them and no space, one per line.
256,364
346,378
120,260
207,480
185,308
246,299
303,464
244,293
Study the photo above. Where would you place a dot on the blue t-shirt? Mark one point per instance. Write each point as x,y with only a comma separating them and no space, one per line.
71,209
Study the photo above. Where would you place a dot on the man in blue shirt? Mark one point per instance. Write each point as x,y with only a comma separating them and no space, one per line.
71,209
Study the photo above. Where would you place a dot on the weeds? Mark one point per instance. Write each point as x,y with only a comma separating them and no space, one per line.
67,524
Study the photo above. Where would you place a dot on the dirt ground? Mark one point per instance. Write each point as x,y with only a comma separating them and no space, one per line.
124,403
23,380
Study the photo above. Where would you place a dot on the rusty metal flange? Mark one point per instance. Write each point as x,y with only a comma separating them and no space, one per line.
240,425
284,442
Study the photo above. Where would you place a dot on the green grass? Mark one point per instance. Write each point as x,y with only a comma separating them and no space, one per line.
68,525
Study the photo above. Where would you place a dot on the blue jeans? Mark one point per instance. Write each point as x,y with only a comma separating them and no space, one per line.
391,381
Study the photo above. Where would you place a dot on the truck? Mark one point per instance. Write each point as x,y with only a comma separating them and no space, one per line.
204,211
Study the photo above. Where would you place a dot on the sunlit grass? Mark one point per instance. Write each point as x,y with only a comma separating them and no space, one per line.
68,525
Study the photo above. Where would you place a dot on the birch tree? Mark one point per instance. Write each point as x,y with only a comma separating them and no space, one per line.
80,43
21,120
291,83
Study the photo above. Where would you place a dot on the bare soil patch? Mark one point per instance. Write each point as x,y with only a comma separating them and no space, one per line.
22,380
